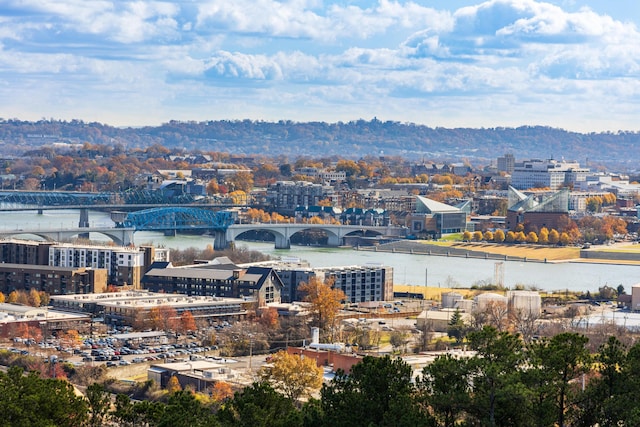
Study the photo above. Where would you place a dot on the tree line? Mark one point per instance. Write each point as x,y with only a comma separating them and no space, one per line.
359,137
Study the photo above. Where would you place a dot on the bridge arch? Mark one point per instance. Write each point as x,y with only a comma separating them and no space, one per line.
333,238
280,237
119,237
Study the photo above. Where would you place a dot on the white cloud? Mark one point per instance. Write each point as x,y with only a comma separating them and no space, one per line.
332,57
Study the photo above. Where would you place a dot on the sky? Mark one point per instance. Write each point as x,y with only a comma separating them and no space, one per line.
443,63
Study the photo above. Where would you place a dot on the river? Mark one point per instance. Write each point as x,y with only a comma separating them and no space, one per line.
414,270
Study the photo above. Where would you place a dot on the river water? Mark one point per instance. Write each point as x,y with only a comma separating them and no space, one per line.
414,270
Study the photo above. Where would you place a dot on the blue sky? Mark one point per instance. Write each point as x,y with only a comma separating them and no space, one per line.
450,63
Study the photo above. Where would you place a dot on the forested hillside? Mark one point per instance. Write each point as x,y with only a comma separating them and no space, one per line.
356,139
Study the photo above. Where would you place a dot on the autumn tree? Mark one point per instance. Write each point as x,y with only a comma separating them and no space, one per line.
173,385
241,181
498,236
34,298
532,237
543,236
13,297
221,391
325,301
239,197
213,187
163,318
554,237
350,167
269,317
510,237
295,376
477,236
187,322
466,236
488,236
70,337
2,298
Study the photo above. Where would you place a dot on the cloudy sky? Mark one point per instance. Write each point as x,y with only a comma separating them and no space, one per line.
452,63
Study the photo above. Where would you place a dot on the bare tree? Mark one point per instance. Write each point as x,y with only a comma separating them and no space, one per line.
497,312
525,322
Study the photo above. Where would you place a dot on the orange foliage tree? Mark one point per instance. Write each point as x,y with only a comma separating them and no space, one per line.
163,318
221,391
187,322
325,301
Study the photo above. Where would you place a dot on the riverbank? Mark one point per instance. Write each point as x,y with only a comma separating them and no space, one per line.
626,254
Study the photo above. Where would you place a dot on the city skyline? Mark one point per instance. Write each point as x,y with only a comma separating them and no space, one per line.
568,64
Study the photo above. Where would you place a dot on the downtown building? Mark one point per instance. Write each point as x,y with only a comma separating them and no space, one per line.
550,174
124,266
360,283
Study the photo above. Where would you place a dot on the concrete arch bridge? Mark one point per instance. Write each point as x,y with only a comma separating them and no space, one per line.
335,232
120,236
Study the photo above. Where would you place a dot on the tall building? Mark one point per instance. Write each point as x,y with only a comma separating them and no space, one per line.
550,174
125,266
15,251
506,163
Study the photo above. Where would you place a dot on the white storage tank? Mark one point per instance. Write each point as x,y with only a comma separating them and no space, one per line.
524,302
465,305
449,299
483,301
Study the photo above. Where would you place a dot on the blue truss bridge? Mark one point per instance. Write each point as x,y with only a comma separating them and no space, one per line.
177,219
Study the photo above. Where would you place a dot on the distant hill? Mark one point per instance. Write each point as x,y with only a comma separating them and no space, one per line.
351,139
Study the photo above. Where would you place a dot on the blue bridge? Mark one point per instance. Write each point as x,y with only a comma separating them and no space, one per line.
178,219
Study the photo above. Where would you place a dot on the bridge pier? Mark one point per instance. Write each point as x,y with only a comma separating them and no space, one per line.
334,240
84,222
219,239
171,233
283,242
84,218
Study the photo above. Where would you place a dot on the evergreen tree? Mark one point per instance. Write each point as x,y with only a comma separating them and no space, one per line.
377,392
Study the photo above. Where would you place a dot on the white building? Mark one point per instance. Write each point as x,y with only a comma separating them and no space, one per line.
547,174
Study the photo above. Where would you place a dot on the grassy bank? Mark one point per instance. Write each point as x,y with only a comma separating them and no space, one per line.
524,251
